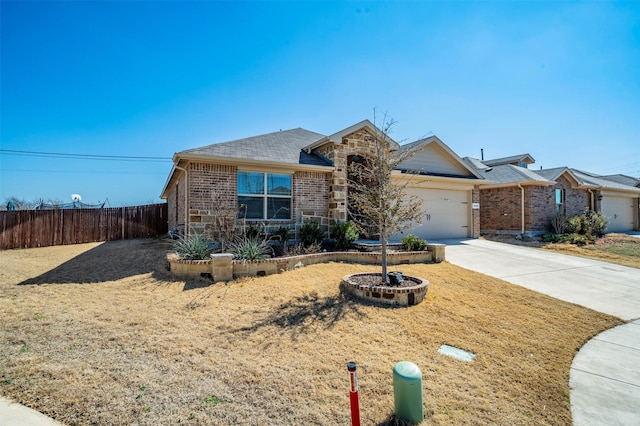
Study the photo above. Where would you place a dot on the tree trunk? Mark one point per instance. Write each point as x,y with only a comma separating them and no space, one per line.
383,241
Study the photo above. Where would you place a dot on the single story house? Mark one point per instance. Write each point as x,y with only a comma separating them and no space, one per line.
518,200
286,177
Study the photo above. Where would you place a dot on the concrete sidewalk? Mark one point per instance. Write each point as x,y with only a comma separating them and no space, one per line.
14,414
605,374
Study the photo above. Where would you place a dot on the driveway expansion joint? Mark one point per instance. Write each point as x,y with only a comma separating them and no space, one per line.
605,377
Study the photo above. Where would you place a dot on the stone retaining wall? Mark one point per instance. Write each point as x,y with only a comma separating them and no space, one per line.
222,267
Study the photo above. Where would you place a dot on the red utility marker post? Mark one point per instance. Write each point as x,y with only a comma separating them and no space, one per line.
353,394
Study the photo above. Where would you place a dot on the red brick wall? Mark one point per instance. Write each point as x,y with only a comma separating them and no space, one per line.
211,187
214,185
540,207
311,194
175,204
500,208
475,213
576,199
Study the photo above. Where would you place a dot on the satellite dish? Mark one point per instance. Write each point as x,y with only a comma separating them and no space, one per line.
76,197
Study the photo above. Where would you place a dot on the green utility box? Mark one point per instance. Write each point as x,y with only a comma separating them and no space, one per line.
407,392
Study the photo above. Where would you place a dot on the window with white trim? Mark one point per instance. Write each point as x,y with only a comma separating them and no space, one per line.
560,201
264,195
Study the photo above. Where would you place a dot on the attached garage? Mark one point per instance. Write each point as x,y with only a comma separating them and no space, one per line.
447,214
620,211
446,185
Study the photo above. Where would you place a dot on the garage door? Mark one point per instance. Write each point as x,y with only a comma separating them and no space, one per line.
619,210
446,214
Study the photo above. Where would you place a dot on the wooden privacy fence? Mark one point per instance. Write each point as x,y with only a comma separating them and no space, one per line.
40,228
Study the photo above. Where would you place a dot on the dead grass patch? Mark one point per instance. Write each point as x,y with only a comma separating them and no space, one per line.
90,337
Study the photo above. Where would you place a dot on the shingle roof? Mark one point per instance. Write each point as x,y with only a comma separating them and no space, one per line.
591,179
587,178
505,173
506,160
623,179
508,173
282,147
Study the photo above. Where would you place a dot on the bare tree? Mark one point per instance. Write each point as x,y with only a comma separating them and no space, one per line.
378,200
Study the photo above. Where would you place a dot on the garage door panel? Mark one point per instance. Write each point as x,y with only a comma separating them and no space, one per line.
620,211
445,214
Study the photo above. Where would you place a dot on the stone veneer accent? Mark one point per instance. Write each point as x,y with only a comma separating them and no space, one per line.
357,143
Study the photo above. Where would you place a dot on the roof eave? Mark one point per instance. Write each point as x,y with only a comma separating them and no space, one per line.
253,162
515,184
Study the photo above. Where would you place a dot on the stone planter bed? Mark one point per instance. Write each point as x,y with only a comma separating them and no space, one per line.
222,267
368,286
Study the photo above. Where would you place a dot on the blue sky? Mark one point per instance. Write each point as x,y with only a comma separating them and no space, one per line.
559,80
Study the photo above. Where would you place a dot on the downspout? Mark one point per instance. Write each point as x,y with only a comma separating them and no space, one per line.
186,199
521,209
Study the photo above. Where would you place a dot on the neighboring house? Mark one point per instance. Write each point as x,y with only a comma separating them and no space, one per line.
284,178
611,195
517,200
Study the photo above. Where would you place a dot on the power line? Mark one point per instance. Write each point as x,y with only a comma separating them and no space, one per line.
83,156
83,171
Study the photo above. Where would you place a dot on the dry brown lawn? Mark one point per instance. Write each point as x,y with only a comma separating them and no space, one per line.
103,334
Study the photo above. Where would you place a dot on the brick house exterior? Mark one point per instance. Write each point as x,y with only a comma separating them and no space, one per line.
516,200
204,181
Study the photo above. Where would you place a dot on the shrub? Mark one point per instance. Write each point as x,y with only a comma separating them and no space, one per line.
559,223
345,233
554,238
196,247
413,243
579,239
282,233
591,223
249,248
311,233
254,231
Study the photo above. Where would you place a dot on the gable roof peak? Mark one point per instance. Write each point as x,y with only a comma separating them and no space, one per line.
519,159
336,138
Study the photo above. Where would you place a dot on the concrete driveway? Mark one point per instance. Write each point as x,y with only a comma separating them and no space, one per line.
605,374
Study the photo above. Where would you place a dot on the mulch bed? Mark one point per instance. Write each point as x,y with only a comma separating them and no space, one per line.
374,279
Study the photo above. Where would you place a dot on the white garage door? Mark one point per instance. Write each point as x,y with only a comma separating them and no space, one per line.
446,214
619,210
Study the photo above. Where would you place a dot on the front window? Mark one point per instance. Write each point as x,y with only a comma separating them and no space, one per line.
264,195
560,203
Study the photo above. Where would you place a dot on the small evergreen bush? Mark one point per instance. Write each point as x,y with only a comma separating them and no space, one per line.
253,231
311,233
196,247
412,243
554,238
281,234
591,223
345,233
